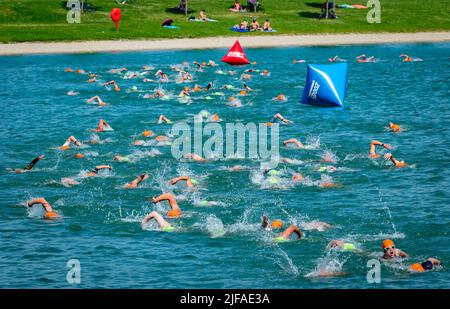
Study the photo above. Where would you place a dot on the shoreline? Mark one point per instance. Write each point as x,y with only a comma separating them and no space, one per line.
260,41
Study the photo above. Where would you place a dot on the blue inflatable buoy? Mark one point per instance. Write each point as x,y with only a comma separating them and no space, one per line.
325,85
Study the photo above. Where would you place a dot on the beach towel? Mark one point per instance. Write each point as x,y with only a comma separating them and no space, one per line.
202,21
345,6
239,29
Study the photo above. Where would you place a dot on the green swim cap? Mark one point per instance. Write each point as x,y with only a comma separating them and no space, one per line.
168,228
194,181
348,247
280,239
273,172
204,114
322,169
204,203
134,88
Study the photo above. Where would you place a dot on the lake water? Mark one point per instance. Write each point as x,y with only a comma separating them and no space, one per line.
221,245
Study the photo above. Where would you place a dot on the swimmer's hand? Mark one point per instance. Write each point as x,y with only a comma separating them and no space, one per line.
387,156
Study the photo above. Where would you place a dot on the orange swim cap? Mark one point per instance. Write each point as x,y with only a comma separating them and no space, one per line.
269,124
231,98
187,88
161,138
276,224
68,70
417,267
196,88
91,174
79,71
216,117
281,97
254,62
79,156
265,71
138,142
65,147
243,92
147,133
388,243
174,213
50,215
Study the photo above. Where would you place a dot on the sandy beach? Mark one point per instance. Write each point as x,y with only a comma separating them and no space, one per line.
220,42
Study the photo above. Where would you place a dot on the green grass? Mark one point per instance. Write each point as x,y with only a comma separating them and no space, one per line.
45,20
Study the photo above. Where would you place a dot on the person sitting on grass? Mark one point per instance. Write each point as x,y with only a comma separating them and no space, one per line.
266,26
237,7
254,25
203,15
243,25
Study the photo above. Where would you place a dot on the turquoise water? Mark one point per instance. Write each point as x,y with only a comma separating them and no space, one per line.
222,245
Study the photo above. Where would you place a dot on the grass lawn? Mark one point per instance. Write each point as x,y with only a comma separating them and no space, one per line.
45,20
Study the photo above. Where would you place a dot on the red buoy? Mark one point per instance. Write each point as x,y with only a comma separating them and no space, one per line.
115,16
236,55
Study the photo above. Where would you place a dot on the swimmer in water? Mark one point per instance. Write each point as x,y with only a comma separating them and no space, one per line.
396,162
394,127
175,209
122,159
71,139
276,224
280,97
163,118
407,58
164,77
98,168
102,125
185,92
390,251
112,82
341,245
209,86
284,236
278,116
98,99
49,212
364,58
163,224
246,87
427,265
335,59
184,178
157,94
194,157
30,165
294,141
137,181
373,145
